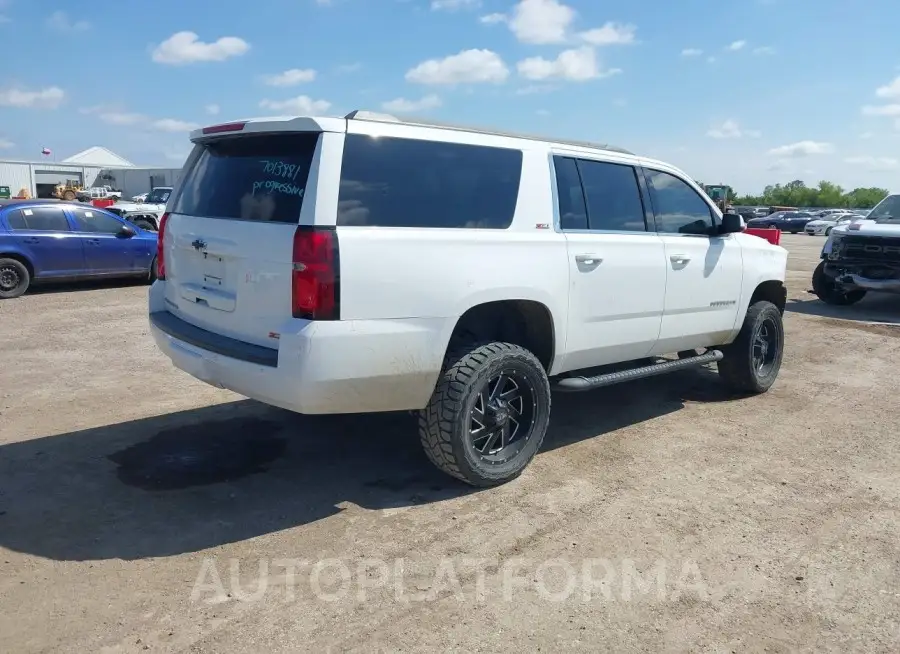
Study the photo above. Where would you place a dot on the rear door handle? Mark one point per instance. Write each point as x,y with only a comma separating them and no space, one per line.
679,258
32,239
588,259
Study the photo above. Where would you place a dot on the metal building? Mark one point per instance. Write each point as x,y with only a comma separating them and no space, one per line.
95,166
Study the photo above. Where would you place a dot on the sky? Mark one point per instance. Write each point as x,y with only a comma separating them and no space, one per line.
740,92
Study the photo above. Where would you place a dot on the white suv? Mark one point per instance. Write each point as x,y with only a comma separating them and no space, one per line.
359,264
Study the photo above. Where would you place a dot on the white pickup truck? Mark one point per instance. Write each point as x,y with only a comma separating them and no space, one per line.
98,193
359,264
146,214
861,256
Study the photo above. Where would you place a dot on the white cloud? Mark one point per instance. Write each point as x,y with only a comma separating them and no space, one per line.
711,60
866,135
881,110
349,68
764,50
132,119
730,129
122,118
737,45
186,48
404,106
493,19
610,34
891,90
6,144
172,125
47,98
531,89
468,66
301,105
691,52
576,65
453,5
802,149
291,77
875,164
212,109
60,21
541,21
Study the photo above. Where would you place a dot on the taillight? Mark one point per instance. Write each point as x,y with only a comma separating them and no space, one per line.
314,279
160,250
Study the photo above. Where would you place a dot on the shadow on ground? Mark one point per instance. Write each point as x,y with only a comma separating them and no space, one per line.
875,307
48,288
196,479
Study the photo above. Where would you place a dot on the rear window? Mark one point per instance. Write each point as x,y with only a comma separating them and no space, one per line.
248,178
396,182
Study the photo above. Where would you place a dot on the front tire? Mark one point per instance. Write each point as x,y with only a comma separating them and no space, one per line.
752,361
14,278
154,271
145,224
830,293
488,415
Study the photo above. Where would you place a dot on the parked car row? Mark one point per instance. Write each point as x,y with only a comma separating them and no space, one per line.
795,222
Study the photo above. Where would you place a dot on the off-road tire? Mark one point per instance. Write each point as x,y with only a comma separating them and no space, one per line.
444,423
826,291
737,368
145,224
17,273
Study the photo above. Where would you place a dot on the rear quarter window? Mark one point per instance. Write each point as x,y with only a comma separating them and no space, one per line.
260,178
397,182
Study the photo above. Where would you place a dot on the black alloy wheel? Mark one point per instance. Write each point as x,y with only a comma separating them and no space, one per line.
502,417
766,344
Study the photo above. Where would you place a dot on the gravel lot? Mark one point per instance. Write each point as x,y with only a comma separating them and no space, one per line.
661,515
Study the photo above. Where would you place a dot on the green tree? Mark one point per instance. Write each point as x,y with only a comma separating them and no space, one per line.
826,195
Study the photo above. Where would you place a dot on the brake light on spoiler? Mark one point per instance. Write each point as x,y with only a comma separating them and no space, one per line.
224,127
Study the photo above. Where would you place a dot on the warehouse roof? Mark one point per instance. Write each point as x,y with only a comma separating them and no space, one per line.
98,156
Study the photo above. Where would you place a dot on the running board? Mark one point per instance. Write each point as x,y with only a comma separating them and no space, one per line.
574,384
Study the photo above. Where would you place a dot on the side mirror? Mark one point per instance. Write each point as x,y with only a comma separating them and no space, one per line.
732,223
127,232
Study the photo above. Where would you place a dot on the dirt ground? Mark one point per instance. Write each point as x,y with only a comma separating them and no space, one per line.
141,510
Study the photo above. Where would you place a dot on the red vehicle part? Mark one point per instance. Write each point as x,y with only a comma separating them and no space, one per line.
102,204
770,234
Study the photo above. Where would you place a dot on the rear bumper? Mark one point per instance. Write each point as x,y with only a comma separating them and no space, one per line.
325,367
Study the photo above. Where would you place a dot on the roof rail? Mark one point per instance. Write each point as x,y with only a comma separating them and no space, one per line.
362,114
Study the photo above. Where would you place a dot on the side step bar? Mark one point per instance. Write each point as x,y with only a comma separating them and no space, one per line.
575,384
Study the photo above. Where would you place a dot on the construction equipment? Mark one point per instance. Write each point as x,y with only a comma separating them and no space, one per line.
718,193
68,191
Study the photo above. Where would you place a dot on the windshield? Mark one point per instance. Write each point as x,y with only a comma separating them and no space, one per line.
159,195
888,210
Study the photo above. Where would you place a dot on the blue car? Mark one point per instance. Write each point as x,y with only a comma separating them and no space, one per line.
50,240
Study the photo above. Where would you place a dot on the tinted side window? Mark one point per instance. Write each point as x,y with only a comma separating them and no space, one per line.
613,196
395,182
96,222
570,197
679,208
259,178
39,219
